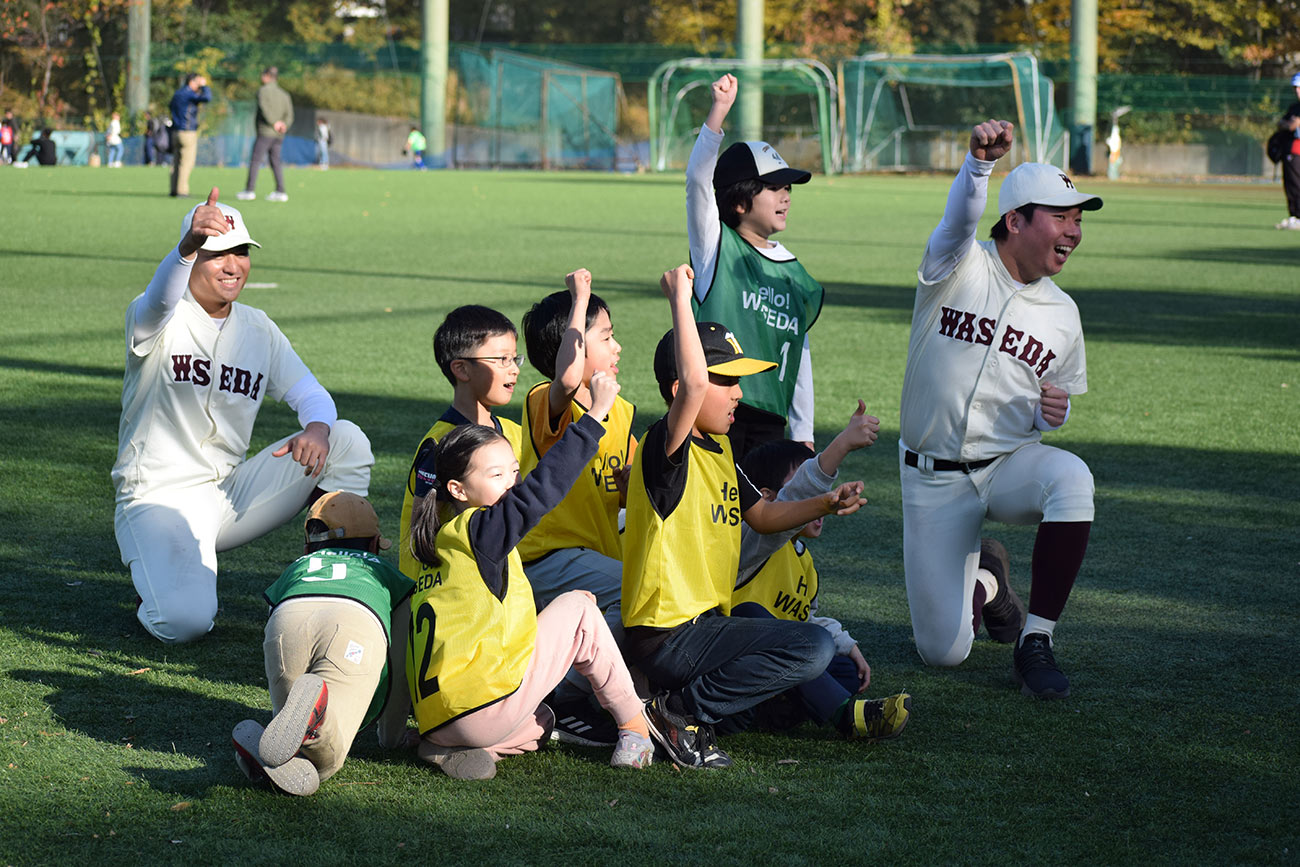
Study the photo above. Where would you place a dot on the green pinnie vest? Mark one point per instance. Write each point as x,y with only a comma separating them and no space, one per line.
344,573
769,306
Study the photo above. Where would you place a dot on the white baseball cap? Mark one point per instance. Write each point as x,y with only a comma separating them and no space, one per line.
236,234
1042,184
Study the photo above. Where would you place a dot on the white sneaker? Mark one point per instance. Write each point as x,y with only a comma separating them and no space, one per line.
1289,223
277,197
245,195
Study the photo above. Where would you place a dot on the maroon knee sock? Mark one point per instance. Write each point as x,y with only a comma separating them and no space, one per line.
1058,554
977,607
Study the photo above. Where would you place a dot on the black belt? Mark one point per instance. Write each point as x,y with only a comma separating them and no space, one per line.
912,459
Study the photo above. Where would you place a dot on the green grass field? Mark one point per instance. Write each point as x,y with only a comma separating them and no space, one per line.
1178,745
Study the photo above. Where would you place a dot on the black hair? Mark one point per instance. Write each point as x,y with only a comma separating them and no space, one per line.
545,324
189,77
316,525
769,464
455,452
999,232
739,195
463,331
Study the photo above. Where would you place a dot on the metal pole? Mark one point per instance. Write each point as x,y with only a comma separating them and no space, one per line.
749,48
1083,83
433,79
137,58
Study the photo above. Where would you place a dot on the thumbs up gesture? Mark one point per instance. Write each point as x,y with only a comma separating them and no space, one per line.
208,222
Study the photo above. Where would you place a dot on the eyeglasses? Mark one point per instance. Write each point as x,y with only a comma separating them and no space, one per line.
501,361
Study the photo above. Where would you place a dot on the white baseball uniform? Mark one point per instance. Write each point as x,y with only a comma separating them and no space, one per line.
980,347
191,392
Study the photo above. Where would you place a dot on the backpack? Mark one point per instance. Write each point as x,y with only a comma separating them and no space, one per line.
1279,145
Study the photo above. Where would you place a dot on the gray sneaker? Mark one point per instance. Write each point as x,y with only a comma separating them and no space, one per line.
297,776
277,196
633,751
245,195
298,722
459,763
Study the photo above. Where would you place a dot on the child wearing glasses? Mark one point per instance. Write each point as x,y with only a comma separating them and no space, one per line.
475,349
570,338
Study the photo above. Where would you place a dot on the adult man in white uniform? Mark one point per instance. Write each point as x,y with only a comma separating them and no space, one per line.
198,366
995,352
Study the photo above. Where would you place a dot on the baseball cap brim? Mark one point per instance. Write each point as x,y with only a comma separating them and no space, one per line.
781,177
1065,200
228,241
741,367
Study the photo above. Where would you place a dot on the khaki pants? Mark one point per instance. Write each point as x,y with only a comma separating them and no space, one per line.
186,151
344,644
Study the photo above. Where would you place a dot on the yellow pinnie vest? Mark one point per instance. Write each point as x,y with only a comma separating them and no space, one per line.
406,562
685,564
786,585
466,648
587,517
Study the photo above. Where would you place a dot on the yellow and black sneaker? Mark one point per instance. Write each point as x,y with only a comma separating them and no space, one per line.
878,719
679,736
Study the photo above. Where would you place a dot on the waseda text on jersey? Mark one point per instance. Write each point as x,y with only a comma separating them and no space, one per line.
236,380
961,325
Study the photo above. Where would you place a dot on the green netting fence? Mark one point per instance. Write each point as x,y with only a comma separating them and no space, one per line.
916,112
524,111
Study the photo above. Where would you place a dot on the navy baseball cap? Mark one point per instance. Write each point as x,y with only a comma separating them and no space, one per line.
722,354
755,160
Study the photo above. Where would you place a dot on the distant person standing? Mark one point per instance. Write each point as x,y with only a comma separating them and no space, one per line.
1291,161
415,145
323,139
274,117
113,138
8,137
185,130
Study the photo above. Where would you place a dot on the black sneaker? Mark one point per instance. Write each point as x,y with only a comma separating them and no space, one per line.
1004,614
679,737
578,723
711,755
1036,669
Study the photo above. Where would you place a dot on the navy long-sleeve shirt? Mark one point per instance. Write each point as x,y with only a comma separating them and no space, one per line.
185,106
495,531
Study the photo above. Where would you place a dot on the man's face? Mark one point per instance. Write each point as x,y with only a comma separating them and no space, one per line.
218,277
1042,245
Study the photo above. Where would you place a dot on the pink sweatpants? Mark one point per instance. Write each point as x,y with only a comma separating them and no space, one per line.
570,632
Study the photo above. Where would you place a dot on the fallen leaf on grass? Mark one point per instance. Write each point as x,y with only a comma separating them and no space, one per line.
139,671
355,782
613,802
94,653
787,761
771,790
74,583
180,805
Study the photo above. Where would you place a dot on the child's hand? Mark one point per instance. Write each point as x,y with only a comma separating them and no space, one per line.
862,429
678,283
579,283
864,670
604,388
724,90
846,499
622,476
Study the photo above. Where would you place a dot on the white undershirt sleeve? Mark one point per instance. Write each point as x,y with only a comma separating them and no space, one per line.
802,404
703,228
161,297
961,216
312,402
1040,423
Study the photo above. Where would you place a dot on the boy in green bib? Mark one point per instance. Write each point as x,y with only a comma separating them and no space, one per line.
734,204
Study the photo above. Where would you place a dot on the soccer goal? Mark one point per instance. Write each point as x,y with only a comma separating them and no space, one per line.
800,109
915,112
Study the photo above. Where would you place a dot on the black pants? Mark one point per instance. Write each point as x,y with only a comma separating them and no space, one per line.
1291,183
262,148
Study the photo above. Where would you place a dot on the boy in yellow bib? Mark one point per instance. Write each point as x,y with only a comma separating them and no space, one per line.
576,546
686,500
475,348
778,579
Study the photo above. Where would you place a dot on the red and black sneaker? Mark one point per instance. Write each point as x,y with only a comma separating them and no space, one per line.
679,736
297,723
297,776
